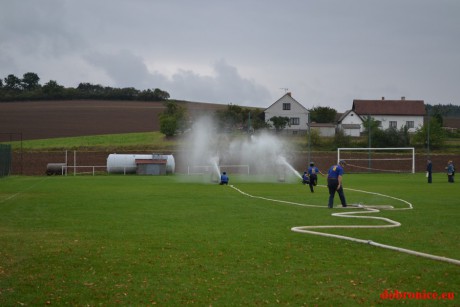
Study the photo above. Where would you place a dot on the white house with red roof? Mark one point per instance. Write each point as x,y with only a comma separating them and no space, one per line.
390,113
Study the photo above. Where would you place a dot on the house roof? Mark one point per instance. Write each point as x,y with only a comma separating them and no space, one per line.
389,107
288,94
341,116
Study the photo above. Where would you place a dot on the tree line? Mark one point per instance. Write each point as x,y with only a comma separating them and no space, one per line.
174,119
443,110
13,88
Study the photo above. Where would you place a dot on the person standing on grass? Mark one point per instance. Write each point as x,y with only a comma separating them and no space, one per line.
429,168
312,173
450,171
334,183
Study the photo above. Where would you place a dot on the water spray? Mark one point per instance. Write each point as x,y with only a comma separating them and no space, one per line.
282,160
215,166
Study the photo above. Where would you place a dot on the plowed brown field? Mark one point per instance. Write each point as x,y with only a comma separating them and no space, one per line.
51,119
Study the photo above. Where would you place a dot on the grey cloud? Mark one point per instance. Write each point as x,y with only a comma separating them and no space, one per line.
326,52
124,68
225,85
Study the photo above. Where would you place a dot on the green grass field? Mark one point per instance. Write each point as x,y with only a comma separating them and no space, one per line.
107,141
176,240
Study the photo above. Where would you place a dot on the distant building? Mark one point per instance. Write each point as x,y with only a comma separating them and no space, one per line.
390,113
287,106
350,123
324,129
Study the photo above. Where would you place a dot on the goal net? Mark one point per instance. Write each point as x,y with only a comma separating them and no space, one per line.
371,160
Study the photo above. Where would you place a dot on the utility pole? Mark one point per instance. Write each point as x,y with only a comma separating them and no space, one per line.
309,137
428,136
370,145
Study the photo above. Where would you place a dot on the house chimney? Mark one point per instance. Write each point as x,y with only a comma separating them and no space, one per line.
289,93
403,98
383,98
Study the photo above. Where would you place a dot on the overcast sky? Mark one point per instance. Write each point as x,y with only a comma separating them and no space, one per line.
245,52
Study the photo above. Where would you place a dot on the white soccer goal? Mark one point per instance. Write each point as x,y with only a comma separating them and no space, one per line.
393,160
207,169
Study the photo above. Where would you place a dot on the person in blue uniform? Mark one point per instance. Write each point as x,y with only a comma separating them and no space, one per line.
305,178
450,171
224,178
313,174
429,169
334,183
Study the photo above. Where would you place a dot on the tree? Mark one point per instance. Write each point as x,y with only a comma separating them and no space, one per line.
30,81
162,95
52,88
230,118
390,137
257,119
12,83
168,125
172,119
315,138
438,117
371,126
341,139
322,115
280,122
90,88
435,138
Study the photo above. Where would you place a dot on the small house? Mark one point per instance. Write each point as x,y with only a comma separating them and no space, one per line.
288,107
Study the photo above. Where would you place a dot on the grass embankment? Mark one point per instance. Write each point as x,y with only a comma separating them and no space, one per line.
170,241
156,140
110,141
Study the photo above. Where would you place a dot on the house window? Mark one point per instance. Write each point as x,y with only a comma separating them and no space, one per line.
410,124
286,106
294,121
393,124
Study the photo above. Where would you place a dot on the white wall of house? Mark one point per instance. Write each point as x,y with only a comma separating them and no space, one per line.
387,121
351,129
286,106
352,119
326,131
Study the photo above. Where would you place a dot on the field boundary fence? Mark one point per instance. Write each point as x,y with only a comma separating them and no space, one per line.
5,160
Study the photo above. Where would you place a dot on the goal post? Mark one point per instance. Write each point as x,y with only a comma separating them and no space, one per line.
387,159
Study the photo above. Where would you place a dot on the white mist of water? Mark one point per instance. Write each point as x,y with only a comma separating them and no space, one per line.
215,166
283,161
207,147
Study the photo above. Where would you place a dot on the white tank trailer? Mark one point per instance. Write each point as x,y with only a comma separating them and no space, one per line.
126,163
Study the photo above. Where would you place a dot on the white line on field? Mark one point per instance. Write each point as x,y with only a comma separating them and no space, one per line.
353,214
20,192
